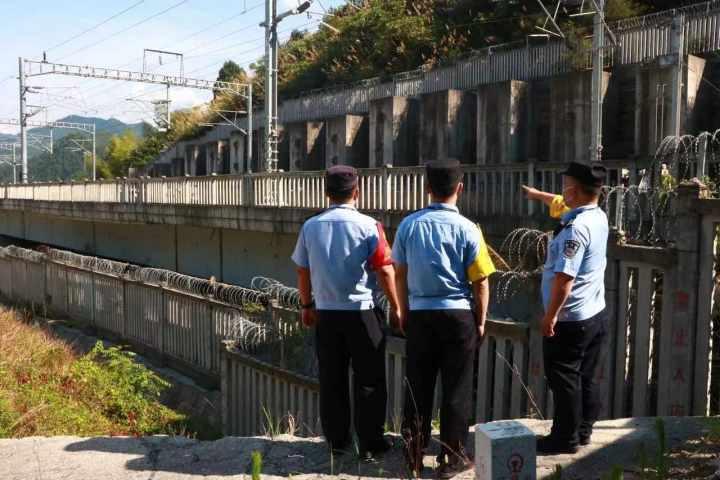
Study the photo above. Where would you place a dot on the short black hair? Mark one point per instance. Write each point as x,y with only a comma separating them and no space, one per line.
443,177
444,190
339,197
590,190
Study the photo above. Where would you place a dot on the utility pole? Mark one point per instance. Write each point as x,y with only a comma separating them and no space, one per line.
94,146
23,121
272,19
271,46
597,82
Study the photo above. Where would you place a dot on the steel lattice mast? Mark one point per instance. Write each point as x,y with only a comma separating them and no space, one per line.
33,68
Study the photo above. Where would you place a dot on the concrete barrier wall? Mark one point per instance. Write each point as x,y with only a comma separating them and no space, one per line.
228,255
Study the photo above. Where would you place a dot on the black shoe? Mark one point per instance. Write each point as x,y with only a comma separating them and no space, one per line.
368,453
584,434
454,467
549,446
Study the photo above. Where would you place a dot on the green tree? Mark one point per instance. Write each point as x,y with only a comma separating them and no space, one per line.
117,156
230,72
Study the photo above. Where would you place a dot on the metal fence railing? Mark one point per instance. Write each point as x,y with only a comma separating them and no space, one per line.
489,189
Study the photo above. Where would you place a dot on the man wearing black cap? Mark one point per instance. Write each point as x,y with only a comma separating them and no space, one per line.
442,265
339,255
575,321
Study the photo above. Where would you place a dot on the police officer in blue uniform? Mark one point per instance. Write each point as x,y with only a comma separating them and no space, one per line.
442,265
575,322
340,254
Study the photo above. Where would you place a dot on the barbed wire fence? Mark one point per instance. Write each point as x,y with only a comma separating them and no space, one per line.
252,321
524,251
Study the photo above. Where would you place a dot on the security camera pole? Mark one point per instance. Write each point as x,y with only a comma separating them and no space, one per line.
272,19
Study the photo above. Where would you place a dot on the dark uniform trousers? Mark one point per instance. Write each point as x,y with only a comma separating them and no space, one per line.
354,338
442,341
572,357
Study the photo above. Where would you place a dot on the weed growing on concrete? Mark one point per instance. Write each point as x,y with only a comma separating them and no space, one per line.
662,459
557,474
658,471
413,441
513,368
615,474
272,426
256,459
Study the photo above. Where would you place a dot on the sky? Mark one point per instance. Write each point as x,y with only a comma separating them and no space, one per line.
114,34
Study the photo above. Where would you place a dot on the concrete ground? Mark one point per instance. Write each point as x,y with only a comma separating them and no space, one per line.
616,442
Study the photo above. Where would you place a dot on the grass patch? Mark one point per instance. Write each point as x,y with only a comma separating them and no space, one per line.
46,389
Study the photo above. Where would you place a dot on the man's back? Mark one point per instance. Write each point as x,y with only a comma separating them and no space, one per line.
444,252
341,246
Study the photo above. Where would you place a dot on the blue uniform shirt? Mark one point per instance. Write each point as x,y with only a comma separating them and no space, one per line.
579,251
341,247
444,252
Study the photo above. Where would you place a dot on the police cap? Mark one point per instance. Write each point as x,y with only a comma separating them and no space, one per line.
341,179
592,175
443,176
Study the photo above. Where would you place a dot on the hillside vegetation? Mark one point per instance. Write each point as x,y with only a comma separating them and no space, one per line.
379,38
46,389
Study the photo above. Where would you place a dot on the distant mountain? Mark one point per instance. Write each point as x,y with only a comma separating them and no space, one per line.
8,138
111,126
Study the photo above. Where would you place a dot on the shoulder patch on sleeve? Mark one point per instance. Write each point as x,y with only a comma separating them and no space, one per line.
570,248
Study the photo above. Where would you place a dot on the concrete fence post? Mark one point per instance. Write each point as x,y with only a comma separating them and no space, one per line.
386,203
46,294
67,292
163,324
93,307
677,359
126,312
249,191
209,328
225,397
616,320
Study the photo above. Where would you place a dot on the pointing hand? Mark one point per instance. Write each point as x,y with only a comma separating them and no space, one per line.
530,192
